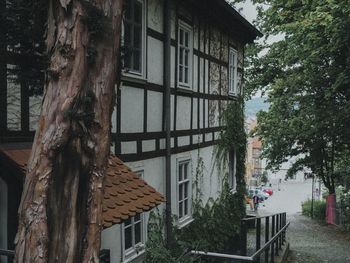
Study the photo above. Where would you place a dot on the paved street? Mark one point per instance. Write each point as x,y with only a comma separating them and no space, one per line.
310,242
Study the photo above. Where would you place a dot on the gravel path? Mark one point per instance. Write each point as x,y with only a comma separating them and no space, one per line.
311,242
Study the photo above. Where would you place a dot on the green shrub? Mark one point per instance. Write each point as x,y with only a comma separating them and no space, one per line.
205,233
319,211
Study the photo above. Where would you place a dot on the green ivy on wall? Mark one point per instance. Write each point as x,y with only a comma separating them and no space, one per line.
216,224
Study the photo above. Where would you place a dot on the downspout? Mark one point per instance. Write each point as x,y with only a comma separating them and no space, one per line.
167,101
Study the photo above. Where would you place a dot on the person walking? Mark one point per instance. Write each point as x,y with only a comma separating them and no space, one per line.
256,202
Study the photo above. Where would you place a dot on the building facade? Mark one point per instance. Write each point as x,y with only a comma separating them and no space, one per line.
207,40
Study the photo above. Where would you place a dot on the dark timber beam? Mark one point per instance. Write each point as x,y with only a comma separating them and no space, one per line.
167,68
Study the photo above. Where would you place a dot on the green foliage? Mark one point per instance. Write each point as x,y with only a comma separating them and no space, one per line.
156,249
232,138
319,210
216,224
343,201
207,233
305,73
23,24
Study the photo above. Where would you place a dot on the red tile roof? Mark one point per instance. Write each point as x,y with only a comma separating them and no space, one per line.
125,193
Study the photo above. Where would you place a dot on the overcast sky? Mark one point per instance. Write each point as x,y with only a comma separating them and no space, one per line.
249,11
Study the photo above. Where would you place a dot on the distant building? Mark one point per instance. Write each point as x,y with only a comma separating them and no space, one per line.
254,162
256,165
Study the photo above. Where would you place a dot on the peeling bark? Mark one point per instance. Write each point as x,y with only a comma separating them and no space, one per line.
60,215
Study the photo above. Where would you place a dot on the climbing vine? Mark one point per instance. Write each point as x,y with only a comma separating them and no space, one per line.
216,223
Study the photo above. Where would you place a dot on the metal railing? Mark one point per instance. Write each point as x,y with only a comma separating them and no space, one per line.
274,238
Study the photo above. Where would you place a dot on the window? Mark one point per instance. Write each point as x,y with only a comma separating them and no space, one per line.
232,170
256,161
133,235
184,191
185,55
133,37
232,72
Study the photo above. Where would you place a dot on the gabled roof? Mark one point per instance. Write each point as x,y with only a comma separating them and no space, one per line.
125,193
236,15
229,18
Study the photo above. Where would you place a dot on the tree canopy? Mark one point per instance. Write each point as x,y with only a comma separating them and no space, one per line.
306,75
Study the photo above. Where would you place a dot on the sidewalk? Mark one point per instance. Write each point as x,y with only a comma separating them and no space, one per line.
311,242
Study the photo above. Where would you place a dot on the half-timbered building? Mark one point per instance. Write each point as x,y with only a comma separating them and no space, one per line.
182,62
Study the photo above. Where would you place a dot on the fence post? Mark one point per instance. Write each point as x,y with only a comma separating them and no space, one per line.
281,226
267,229
258,237
284,223
277,229
272,244
243,238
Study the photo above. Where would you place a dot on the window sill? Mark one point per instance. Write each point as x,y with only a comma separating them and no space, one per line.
133,255
130,76
183,222
185,87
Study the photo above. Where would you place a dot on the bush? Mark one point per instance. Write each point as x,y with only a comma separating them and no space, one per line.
319,209
343,198
205,233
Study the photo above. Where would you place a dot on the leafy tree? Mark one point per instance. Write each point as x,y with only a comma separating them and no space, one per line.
306,75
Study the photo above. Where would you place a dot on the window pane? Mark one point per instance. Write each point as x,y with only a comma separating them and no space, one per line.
137,217
34,111
180,209
128,9
186,39
127,222
138,12
180,166
137,60
127,238
185,170
13,99
185,190
138,233
137,36
186,212
181,36
186,75
186,57
180,192
181,56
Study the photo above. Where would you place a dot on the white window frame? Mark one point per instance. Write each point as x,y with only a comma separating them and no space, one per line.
137,249
232,180
232,72
187,29
130,73
186,218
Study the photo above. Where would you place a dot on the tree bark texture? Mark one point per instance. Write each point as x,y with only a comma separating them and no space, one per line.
60,215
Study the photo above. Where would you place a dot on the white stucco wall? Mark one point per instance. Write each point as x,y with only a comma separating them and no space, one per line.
131,113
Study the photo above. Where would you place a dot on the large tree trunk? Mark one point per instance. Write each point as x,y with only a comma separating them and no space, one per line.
60,216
